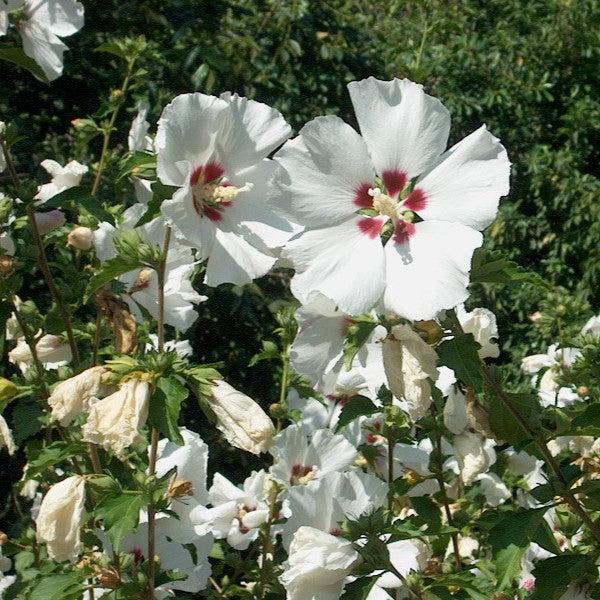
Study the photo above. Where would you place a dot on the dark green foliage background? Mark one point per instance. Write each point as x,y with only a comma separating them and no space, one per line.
527,68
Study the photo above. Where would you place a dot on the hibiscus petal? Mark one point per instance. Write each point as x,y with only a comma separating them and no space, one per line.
326,174
61,17
467,183
429,272
405,128
249,132
43,46
344,263
186,133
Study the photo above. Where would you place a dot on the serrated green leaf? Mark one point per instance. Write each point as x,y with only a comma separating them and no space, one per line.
52,455
66,586
111,269
16,56
356,407
78,197
508,566
165,406
553,575
268,352
112,48
516,528
120,514
461,355
502,422
138,160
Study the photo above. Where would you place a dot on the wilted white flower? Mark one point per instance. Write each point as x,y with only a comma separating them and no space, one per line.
455,411
409,364
51,350
471,456
41,25
47,221
115,421
81,238
350,191
242,421
141,285
317,565
481,322
6,437
493,488
72,396
63,178
60,518
215,151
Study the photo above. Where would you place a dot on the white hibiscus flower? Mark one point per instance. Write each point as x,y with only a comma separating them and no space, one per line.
137,140
300,457
349,190
41,24
142,284
214,150
63,178
236,513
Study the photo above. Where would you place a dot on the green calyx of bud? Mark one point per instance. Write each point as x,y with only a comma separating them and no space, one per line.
17,16
8,390
132,246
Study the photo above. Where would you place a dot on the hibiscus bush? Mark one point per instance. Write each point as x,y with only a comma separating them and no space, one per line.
377,443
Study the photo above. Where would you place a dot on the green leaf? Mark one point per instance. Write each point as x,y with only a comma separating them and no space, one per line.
356,407
120,514
269,351
18,57
66,586
165,406
516,528
52,455
428,512
152,211
360,588
111,269
358,333
461,354
508,566
492,267
78,197
112,48
26,420
588,422
553,575
502,422
140,161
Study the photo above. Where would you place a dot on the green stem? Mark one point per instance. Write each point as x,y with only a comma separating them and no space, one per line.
10,165
110,126
45,268
154,436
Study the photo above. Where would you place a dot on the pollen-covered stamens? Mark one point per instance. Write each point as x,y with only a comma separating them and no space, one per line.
211,192
302,474
383,204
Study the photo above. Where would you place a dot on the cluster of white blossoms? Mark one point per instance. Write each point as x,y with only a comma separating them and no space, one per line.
378,226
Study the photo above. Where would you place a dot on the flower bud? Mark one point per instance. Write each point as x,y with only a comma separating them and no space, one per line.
242,421
430,331
61,517
47,221
7,265
3,538
8,389
81,238
72,396
115,421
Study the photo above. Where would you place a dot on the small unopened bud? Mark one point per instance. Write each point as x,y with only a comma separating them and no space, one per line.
583,390
180,488
7,265
535,317
108,577
430,331
8,389
47,221
276,410
3,538
116,94
411,477
561,309
81,238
